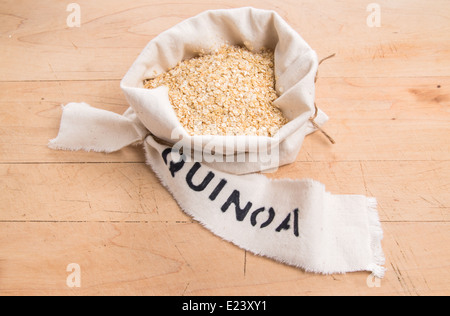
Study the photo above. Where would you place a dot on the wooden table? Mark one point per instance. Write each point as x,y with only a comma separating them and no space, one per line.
387,92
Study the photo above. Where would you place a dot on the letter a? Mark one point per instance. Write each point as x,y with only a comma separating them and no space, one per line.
374,18
74,18
74,279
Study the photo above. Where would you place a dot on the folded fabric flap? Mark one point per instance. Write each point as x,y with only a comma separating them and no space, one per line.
292,221
86,128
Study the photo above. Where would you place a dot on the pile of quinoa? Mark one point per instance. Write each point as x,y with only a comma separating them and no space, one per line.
229,91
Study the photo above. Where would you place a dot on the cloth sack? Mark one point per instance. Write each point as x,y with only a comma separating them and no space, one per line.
293,221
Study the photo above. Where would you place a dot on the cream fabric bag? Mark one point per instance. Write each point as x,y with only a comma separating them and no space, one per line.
295,222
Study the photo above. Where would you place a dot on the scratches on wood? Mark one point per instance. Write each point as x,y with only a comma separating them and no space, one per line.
387,93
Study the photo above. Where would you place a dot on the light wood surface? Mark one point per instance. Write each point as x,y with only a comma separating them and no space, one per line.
387,93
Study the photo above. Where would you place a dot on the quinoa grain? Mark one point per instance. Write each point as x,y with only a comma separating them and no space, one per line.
228,92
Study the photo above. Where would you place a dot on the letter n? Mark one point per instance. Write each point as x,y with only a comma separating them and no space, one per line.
234,199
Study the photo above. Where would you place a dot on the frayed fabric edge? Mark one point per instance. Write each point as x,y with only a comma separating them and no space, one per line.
376,232
54,144
376,236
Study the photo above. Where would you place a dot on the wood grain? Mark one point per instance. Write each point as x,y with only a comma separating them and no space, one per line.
113,35
118,192
30,113
376,114
387,93
160,259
